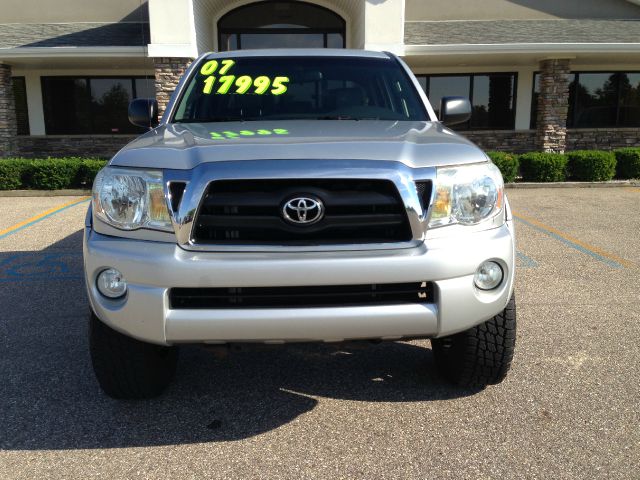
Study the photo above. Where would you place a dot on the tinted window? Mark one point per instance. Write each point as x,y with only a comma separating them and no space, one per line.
258,88
109,103
598,100
66,105
279,40
533,120
446,87
335,40
493,101
86,105
629,113
593,100
20,100
492,97
144,87
280,24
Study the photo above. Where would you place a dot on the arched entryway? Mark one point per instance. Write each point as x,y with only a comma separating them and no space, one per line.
281,24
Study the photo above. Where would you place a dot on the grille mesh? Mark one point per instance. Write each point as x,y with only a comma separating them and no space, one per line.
249,212
307,297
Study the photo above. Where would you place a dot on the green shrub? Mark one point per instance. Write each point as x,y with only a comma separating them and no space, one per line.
543,167
12,171
507,163
48,174
53,173
628,165
87,172
591,165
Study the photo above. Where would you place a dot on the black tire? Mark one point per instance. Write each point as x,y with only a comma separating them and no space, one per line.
479,356
127,368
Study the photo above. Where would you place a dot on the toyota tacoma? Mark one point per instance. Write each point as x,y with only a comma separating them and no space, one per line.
298,196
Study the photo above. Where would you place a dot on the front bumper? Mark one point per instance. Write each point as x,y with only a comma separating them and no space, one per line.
152,268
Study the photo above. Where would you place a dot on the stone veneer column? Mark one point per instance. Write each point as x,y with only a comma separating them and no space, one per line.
8,124
553,105
168,72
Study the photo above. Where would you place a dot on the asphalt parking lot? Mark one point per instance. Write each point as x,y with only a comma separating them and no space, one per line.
570,407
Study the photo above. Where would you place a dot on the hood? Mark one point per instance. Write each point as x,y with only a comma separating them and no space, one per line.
185,146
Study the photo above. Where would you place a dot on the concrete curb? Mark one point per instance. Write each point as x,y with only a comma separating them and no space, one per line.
614,183
45,193
82,192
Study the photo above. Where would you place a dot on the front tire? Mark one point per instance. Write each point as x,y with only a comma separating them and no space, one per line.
481,355
127,368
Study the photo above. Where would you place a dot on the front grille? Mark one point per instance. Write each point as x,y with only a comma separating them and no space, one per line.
307,297
249,212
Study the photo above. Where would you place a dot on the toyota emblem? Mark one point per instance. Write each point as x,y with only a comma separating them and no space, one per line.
303,210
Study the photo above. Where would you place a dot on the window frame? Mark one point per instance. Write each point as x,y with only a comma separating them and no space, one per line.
467,125
88,78
238,32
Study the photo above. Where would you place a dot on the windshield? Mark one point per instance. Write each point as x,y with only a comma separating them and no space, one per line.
313,88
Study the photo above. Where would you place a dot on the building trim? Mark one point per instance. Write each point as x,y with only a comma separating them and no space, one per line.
193,38
175,50
79,52
566,50
523,99
395,48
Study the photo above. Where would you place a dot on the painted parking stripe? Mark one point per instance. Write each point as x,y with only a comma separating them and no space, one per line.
525,261
40,266
595,252
41,216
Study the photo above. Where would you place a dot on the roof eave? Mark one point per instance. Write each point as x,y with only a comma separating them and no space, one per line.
567,49
73,52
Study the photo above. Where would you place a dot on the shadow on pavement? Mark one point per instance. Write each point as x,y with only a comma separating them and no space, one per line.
49,398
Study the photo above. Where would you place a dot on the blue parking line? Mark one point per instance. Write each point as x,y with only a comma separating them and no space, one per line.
576,246
526,261
40,266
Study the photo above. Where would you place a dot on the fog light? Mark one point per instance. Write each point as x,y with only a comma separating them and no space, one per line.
111,283
488,276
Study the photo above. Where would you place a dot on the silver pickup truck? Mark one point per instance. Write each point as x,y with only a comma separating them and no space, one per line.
298,196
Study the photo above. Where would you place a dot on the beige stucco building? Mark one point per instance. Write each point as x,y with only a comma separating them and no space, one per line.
541,74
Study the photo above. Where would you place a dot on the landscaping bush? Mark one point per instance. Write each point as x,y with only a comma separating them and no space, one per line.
53,174
543,167
48,174
628,163
88,170
591,165
507,163
12,171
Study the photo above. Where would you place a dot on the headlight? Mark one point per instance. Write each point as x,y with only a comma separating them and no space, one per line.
467,194
130,199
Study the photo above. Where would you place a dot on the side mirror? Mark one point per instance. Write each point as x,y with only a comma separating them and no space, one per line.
143,112
454,110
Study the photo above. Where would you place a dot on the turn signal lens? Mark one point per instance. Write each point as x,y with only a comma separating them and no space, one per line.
158,211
